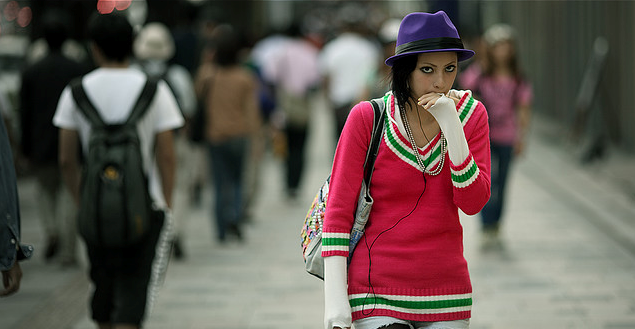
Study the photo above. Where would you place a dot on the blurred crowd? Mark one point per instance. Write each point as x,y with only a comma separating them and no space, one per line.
258,94
254,96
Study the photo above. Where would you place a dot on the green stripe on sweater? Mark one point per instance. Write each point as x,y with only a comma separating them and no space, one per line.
466,109
398,146
335,241
414,305
394,141
467,175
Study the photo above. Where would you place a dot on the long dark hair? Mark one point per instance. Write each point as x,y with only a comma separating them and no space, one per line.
401,69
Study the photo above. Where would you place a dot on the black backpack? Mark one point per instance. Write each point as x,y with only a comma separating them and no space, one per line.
115,205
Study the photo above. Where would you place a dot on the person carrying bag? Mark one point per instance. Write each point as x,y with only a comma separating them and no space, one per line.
408,270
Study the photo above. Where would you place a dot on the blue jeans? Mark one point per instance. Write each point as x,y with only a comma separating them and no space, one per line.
501,160
226,168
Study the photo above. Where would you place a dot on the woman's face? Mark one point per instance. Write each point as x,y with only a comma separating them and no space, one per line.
435,73
502,52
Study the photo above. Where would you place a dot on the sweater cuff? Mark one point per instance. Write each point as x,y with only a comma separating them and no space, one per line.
464,174
335,244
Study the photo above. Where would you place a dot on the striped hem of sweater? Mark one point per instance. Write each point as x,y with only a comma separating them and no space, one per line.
335,244
416,308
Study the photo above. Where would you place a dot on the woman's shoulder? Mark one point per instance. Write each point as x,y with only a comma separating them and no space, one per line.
359,122
362,112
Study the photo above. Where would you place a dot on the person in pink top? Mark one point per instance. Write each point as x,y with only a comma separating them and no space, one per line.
408,270
499,83
296,76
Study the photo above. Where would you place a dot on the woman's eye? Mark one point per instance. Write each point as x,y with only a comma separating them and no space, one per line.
450,68
426,69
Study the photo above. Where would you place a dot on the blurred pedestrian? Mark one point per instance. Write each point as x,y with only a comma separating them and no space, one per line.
408,270
153,48
42,84
500,84
296,77
11,249
347,62
230,92
6,115
379,83
125,280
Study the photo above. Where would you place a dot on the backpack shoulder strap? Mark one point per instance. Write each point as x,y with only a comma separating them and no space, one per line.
84,104
87,108
144,100
379,115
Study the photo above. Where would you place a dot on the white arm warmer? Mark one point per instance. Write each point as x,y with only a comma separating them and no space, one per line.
337,310
444,111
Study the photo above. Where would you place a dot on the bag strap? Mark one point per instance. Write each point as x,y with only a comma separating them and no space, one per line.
143,102
84,104
379,116
87,108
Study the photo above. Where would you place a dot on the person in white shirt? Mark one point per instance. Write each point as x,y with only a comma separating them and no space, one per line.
153,48
124,282
346,63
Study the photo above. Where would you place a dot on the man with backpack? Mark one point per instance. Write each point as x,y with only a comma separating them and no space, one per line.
123,122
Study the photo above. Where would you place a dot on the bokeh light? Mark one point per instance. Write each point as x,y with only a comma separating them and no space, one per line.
24,16
11,11
106,6
122,4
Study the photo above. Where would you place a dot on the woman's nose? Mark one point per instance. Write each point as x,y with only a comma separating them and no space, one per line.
439,82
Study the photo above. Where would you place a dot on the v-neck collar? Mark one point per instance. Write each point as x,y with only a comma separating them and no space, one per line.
396,139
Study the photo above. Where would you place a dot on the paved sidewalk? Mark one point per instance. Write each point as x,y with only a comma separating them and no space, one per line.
568,261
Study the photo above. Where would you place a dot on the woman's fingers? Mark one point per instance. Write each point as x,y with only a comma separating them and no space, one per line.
429,99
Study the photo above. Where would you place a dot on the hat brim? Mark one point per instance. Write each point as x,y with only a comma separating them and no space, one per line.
462,54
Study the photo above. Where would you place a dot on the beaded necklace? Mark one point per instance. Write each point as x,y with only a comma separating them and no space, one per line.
439,167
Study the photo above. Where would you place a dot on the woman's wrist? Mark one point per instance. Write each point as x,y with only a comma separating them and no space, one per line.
444,111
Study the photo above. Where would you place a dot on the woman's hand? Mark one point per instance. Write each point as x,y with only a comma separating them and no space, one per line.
429,99
443,109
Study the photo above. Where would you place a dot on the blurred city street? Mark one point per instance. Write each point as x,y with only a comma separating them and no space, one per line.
568,259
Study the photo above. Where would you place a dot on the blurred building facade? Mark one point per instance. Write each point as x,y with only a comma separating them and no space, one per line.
557,39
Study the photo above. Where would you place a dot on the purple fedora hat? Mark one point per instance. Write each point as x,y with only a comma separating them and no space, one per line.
424,33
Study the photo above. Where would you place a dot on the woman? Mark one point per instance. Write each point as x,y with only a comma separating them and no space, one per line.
232,118
408,270
500,85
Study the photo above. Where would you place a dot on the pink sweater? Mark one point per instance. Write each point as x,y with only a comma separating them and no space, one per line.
418,271
503,96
